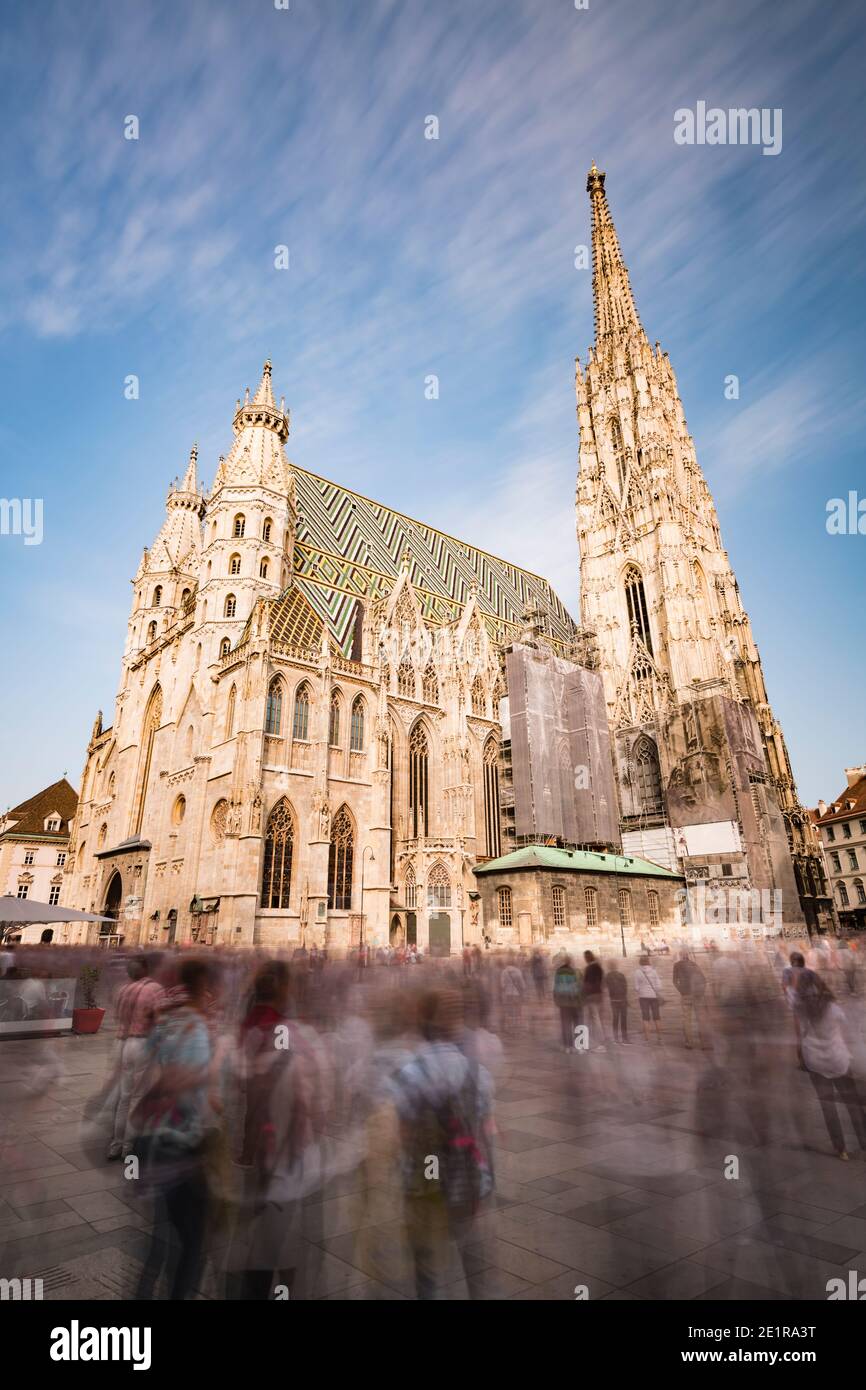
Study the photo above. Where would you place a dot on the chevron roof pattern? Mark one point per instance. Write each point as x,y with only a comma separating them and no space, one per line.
349,548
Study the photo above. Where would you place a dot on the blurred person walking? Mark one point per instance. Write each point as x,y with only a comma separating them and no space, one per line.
593,1000
135,1008
567,995
648,988
617,992
691,985
827,1059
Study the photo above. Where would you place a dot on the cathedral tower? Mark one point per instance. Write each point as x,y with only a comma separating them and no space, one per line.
702,768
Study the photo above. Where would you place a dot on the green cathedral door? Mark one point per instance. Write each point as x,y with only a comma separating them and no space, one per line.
440,934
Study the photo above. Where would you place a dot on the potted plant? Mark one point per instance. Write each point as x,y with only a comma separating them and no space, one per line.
89,1018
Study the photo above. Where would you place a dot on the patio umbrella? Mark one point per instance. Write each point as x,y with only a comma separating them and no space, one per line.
18,912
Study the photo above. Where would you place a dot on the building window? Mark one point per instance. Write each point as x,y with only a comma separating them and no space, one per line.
274,708
235,564
101,838
334,721
836,861
29,856
23,890
54,895
230,712
185,597
438,888
112,781
831,833
430,686
852,859
491,799
843,895
178,811
277,861
863,827
231,606
263,569
590,898
505,913
846,830
301,721
357,732
157,596
340,862
638,618
225,646
479,701
858,889
411,889
498,692
625,907
61,859
151,633
653,908
240,526
418,781
559,907
406,679
266,529
647,776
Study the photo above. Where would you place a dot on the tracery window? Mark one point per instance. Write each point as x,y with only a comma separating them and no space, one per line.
647,776
411,889
478,698
334,721
340,862
430,685
638,617
219,820
406,679
301,721
438,888
356,743
418,781
274,708
277,859
491,799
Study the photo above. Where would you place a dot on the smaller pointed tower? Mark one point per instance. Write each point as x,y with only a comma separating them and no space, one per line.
166,579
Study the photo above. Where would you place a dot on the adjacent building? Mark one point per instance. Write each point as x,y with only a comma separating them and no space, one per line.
34,846
842,828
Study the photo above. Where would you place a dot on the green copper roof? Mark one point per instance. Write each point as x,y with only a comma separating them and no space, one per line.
582,861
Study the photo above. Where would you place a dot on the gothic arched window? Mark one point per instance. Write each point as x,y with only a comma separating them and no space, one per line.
263,569
411,889
231,606
430,685
647,776
266,529
478,699
406,679
491,798
274,708
240,525
340,862
356,742
152,721
225,646
230,712
638,617
277,860
334,720
301,721
157,596
151,632
418,781
438,888
235,564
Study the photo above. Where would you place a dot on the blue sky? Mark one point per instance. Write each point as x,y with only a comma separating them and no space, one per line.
305,127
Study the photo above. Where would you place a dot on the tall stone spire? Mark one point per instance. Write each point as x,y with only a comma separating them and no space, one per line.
615,311
261,429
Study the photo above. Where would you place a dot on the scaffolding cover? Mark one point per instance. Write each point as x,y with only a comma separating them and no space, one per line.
560,750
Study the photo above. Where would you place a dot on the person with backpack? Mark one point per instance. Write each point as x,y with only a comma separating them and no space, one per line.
691,985
567,996
444,1101
648,988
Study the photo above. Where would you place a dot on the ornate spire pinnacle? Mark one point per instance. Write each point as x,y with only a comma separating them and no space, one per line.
190,480
262,409
615,311
264,395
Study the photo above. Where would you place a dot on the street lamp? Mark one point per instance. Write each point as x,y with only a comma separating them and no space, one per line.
363,864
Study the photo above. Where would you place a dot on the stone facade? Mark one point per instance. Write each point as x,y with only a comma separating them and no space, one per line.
842,828
34,847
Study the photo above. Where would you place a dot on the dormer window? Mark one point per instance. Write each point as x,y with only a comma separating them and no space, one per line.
52,825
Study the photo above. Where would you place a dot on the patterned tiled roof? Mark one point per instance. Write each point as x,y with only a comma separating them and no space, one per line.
30,816
851,802
349,548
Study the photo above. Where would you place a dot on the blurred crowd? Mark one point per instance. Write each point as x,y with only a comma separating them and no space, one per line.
245,1089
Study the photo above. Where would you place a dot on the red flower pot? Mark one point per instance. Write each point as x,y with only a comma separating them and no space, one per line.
87,1020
